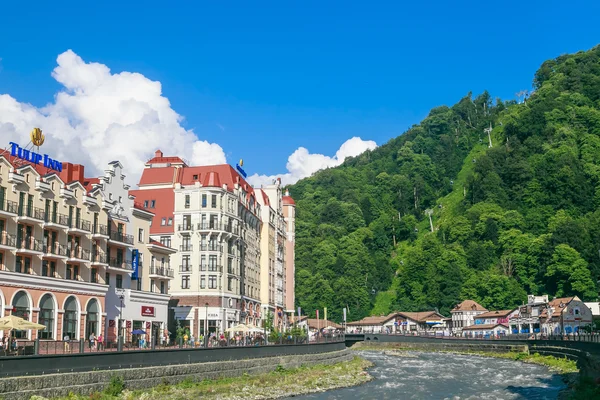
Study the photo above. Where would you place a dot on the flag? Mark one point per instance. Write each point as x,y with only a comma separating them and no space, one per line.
317,314
325,313
344,314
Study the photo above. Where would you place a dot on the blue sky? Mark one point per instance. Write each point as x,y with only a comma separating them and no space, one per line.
279,75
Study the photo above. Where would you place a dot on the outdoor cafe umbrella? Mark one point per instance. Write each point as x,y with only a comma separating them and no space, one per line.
138,332
254,329
330,328
13,322
238,328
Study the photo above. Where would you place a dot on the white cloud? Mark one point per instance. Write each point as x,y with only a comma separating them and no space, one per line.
99,117
301,163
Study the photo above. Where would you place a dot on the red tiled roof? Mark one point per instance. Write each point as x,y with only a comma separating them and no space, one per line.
157,176
159,159
288,200
422,316
469,305
164,199
496,314
88,183
265,198
156,243
320,324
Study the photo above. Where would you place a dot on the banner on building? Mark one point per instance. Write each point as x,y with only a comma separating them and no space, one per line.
299,310
135,262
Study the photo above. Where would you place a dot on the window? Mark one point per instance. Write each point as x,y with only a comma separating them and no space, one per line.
163,222
140,235
46,317
195,177
213,202
229,284
187,201
170,221
203,200
202,263
107,278
145,203
69,272
152,203
162,287
139,284
70,322
94,275
165,241
185,282
202,282
212,263
212,282
119,281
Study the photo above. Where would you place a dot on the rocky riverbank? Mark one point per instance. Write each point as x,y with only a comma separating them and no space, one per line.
278,384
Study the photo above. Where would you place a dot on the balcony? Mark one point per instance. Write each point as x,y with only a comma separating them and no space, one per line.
80,225
31,213
279,268
119,237
80,254
30,246
55,250
185,227
53,219
185,268
100,231
211,247
215,226
161,272
215,268
186,247
99,258
119,264
8,207
7,241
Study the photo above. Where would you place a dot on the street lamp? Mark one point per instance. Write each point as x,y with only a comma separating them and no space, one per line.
206,325
121,297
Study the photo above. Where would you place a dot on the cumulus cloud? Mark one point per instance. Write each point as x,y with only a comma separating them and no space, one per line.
301,163
98,117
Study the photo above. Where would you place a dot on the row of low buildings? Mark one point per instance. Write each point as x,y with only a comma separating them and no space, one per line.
87,255
539,316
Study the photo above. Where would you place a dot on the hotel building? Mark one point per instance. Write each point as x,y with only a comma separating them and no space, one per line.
66,246
211,216
289,214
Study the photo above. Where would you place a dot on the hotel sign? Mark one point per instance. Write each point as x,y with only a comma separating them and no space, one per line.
148,311
34,158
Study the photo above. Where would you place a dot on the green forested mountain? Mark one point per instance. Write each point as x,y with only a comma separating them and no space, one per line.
522,216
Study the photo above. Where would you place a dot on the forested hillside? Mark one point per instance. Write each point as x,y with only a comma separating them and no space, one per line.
519,217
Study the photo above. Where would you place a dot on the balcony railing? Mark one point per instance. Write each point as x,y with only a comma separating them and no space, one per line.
185,227
30,244
185,268
99,258
211,247
6,239
32,212
121,237
57,218
186,247
215,268
162,271
81,225
99,229
80,253
9,206
118,263
216,226
56,249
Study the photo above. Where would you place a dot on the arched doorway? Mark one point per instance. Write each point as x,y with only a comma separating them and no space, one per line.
21,308
92,318
47,309
70,320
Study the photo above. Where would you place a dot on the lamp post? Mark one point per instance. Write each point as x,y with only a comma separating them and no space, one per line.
121,297
206,326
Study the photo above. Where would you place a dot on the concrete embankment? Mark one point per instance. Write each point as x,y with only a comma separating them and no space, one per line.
84,383
495,347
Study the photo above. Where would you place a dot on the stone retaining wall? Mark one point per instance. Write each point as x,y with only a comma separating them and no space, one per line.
54,385
496,347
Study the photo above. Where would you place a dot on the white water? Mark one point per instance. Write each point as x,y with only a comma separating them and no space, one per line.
449,376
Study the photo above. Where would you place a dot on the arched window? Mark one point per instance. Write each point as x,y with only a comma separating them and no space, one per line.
70,323
92,318
21,309
47,317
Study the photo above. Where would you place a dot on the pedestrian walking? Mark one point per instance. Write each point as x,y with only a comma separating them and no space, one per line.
92,342
100,342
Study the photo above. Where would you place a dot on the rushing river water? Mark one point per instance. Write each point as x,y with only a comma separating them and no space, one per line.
449,376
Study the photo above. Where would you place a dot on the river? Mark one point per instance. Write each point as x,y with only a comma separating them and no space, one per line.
448,376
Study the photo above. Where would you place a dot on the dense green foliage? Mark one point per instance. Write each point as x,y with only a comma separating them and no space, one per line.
520,217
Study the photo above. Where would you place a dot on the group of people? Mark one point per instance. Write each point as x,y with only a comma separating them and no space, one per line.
8,344
96,342
221,340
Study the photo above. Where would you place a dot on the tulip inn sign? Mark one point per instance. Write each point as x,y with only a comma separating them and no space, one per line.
34,158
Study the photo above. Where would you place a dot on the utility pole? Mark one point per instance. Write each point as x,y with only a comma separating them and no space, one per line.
489,131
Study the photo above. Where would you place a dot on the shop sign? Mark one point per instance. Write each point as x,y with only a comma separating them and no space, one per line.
213,315
112,323
34,158
148,325
128,324
148,311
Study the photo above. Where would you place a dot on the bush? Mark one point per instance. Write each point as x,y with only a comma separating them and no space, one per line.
115,386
